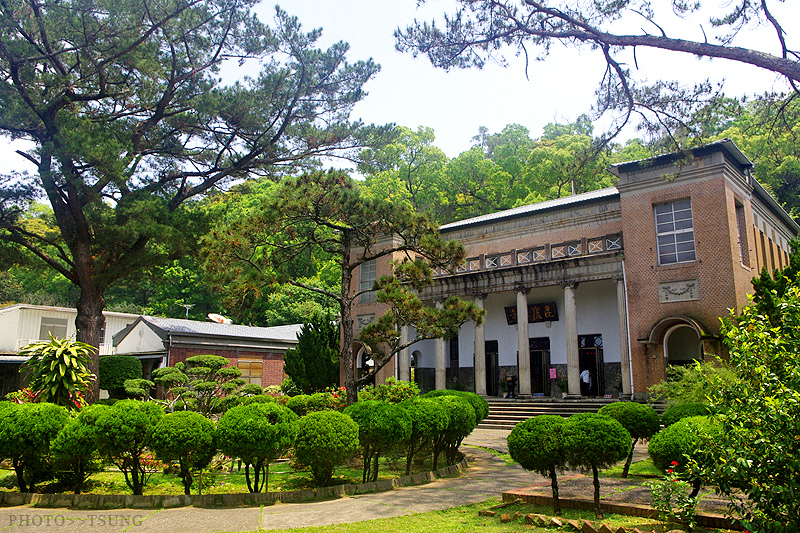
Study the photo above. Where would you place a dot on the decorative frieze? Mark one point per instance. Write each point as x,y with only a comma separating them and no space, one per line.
678,291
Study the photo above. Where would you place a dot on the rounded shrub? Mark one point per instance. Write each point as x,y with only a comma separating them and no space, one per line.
429,419
298,404
381,427
592,442
123,432
641,421
75,448
682,441
26,432
684,410
324,439
537,445
393,391
258,434
114,370
478,403
186,437
460,424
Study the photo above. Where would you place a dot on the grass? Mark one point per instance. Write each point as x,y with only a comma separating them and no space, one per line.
644,468
466,520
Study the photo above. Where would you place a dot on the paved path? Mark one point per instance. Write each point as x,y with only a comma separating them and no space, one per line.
487,477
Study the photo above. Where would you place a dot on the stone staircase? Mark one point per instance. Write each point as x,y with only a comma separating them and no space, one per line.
505,413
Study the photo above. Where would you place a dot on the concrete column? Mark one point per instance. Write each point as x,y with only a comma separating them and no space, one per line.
480,352
523,345
404,357
571,332
441,359
625,362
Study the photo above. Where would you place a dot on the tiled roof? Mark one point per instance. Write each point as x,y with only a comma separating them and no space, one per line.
196,327
532,208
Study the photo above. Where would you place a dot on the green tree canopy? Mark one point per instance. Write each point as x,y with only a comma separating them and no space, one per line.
313,364
324,213
129,120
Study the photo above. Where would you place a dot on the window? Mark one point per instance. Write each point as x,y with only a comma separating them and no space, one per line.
251,369
675,232
741,229
57,327
368,273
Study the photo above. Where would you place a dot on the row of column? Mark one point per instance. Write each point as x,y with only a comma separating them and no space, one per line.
523,346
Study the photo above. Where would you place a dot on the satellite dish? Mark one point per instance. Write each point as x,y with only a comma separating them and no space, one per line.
219,319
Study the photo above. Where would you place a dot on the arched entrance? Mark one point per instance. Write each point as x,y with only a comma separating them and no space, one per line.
680,340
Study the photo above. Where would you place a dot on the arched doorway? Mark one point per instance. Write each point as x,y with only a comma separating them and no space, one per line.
682,345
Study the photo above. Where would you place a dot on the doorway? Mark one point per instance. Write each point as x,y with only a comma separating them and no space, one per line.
492,369
540,365
590,354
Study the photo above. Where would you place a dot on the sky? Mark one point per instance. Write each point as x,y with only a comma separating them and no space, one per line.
410,92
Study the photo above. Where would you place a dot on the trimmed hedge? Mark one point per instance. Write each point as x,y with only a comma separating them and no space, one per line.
381,427
684,410
478,403
323,440
114,370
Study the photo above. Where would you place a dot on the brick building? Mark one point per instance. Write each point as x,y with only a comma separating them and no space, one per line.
257,352
619,282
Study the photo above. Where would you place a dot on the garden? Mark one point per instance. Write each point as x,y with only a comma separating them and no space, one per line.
210,433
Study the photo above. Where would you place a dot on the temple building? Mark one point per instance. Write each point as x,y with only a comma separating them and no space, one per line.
619,282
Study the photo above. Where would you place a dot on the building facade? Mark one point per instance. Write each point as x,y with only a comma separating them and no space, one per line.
613,285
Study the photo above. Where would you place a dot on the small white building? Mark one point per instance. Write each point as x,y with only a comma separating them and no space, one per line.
23,324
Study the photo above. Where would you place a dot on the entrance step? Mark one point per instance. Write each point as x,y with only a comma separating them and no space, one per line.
505,413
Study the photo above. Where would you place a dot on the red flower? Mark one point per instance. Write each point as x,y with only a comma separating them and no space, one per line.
669,470
674,463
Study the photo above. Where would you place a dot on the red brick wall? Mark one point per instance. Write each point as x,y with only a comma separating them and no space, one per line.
272,367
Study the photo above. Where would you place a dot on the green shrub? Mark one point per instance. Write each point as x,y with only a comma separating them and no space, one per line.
682,442
313,364
124,430
186,437
258,434
26,432
641,421
690,383
537,445
480,405
461,422
381,426
114,370
75,448
593,441
288,388
298,404
684,410
429,419
324,439
393,391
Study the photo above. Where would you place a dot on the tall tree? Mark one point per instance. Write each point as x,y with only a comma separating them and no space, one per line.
129,119
324,211
313,364
480,29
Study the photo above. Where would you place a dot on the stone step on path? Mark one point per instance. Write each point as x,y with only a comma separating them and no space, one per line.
505,413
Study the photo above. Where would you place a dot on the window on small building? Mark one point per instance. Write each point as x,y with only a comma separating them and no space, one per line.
368,273
251,367
57,327
675,232
741,229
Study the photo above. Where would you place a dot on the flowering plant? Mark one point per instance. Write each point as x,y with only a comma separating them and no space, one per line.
672,500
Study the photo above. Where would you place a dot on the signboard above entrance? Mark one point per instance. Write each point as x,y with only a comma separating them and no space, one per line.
544,312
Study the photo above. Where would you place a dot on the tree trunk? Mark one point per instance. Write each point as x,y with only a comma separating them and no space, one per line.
346,324
88,325
596,475
627,466
554,486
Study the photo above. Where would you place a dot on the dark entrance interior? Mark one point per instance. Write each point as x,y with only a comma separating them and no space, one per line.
540,364
590,352
453,368
492,369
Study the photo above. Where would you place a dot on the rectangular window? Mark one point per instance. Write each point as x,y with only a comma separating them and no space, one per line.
741,229
251,369
675,232
368,273
57,327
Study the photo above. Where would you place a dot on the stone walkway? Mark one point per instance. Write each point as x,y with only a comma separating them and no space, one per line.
487,477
